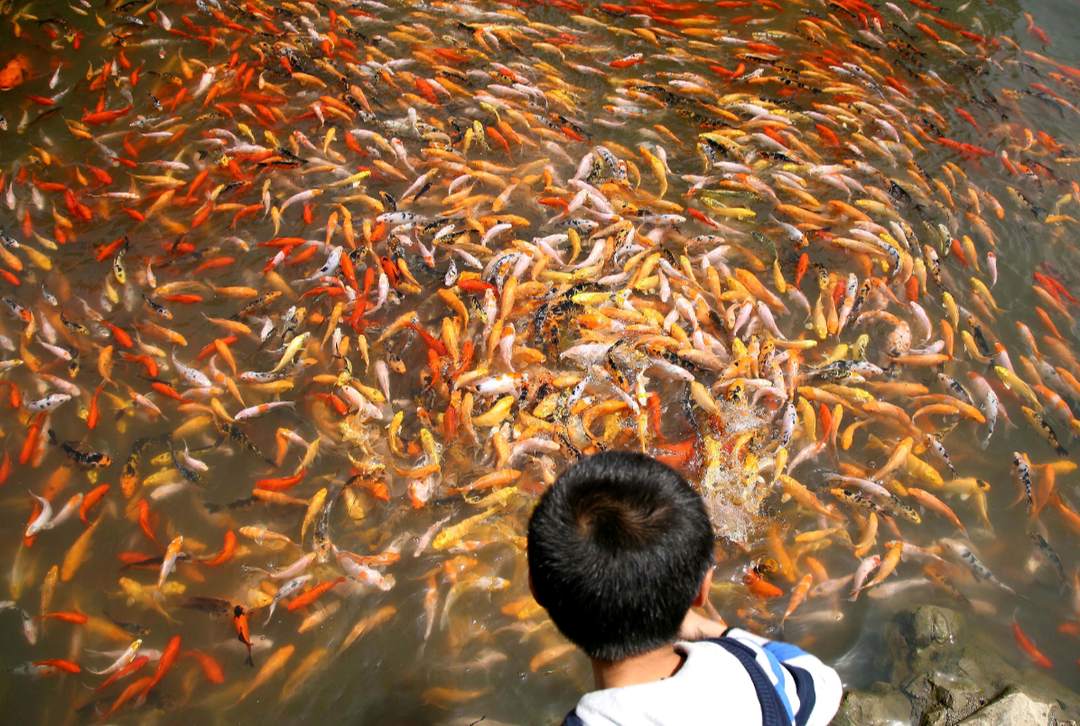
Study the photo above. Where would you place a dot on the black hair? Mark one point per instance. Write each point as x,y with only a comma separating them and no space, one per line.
618,548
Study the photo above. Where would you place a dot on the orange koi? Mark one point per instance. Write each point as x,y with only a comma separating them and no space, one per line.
33,436
761,587
15,72
283,483
168,658
498,138
628,61
68,616
119,335
210,667
183,298
801,268
144,521
133,689
228,548
59,664
243,631
307,598
146,361
93,412
94,118
92,497
1028,646
133,667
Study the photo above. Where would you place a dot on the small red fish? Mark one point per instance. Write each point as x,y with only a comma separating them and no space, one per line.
210,667
165,664
801,268
1028,646
226,553
107,116
127,670
69,616
305,599
280,484
59,664
628,61
243,631
15,72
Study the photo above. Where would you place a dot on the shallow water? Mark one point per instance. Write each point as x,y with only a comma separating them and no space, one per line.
482,650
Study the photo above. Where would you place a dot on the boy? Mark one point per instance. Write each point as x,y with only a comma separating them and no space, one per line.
620,549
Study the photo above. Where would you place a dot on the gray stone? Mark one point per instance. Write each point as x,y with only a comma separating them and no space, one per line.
930,637
944,673
933,626
879,705
1013,707
943,699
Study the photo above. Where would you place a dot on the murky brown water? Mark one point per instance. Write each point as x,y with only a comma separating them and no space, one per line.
483,654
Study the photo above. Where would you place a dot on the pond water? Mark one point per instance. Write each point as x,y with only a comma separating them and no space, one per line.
316,298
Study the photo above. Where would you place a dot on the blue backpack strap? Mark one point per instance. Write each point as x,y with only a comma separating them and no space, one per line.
572,719
804,689
773,712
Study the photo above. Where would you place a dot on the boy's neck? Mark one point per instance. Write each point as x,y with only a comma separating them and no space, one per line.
654,665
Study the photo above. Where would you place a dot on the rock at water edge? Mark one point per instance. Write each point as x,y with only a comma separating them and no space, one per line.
1012,708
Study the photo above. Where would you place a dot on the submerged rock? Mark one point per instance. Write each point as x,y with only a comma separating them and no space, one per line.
941,672
879,705
928,635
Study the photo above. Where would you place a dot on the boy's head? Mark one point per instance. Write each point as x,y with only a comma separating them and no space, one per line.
618,549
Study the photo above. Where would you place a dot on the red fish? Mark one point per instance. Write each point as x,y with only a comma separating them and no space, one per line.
144,520
59,664
226,553
165,664
15,72
107,116
124,672
1035,31
801,268
280,484
68,616
761,587
92,497
243,631
210,667
1054,286
1029,648
305,599
628,61
130,692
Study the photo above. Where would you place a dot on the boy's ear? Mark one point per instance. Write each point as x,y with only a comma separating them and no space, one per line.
702,596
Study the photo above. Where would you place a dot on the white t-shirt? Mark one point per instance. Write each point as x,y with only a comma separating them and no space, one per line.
712,687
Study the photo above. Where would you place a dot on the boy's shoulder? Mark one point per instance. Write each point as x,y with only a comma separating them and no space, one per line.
711,681
741,678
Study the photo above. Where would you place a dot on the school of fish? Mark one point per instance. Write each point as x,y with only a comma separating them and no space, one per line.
303,305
